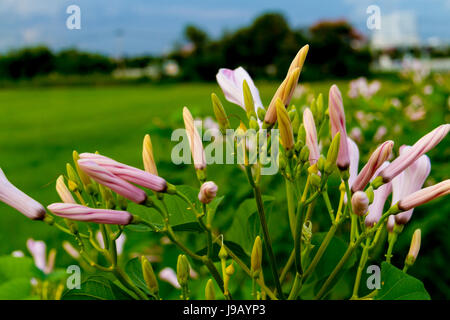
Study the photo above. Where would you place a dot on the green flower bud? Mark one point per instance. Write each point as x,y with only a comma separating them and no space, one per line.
304,154
332,153
182,270
370,194
256,258
253,123
223,255
313,108
149,276
321,164
319,107
209,291
314,179
220,114
301,134
248,100
230,269
261,113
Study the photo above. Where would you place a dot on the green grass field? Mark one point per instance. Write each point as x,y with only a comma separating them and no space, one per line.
40,127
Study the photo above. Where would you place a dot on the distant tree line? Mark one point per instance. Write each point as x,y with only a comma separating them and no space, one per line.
265,48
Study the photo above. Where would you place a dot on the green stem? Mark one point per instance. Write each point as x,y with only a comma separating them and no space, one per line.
362,263
241,264
287,266
291,205
296,287
392,242
266,236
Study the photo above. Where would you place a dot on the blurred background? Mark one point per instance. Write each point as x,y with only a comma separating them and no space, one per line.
133,65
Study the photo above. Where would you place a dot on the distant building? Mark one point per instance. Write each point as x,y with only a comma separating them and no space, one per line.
398,29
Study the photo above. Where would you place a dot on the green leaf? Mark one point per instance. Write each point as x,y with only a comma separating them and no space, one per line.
331,257
189,226
245,226
397,285
134,271
15,289
97,288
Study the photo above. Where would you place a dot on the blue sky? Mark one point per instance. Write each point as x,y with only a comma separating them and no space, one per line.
150,26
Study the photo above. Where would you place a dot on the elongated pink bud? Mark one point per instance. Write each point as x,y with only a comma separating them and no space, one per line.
208,192
168,274
15,198
82,213
424,195
311,136
360,203
337,122
422,146
380,196
195,142
378,157
128,173
409,181
108,179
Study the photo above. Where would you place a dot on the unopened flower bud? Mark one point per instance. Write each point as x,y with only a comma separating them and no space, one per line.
256,258
261,114
219,112
62,190
332,154
149,276
285,127
315,180
223,255
209,291
360,203
230,269
182,270
414,248
304,154
248,100
208,192
147,156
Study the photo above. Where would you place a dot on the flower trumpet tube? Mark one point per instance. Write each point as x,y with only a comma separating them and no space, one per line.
422,146
354,160
82,213
311,136
208,192
231,82
378,157
424,195
337,122
108,179
285,127
195,142
128,173
379,199
409,181
147,156
63,191
17,199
